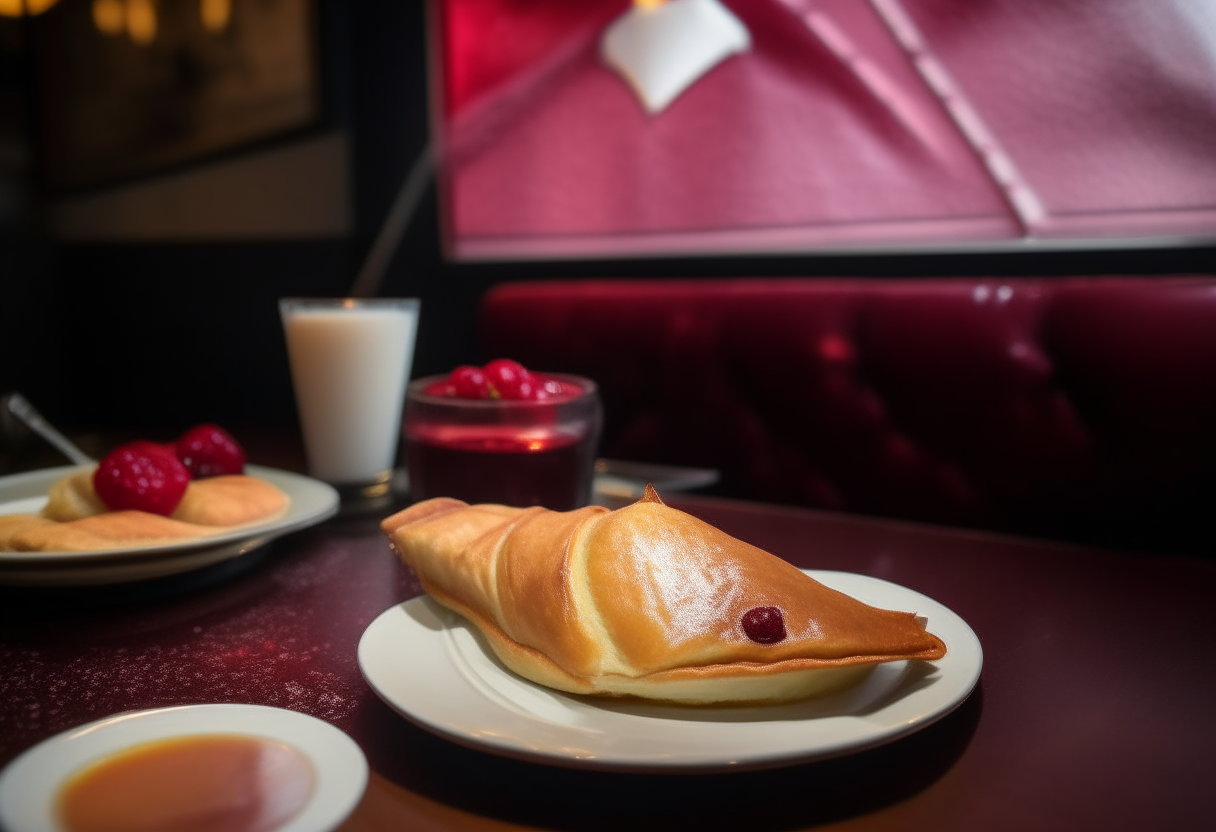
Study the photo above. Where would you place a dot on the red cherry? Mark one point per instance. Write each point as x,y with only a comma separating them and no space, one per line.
510,379
764,625
143,476
529,389
504,368
552,387
470,383
209,451
520,388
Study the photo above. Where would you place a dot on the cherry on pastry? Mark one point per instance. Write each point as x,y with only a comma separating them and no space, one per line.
210,451
143,476
764,625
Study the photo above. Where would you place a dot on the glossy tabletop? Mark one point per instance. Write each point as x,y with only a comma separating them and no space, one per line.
1094,709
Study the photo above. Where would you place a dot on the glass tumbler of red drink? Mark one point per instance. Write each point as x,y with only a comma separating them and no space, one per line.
506,451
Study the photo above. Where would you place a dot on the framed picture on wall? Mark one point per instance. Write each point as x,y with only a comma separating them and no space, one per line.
129,87
652,127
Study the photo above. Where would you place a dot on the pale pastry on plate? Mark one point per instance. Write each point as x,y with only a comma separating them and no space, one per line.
76,520
646,601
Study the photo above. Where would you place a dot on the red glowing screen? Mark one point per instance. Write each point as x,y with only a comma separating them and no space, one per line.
847,125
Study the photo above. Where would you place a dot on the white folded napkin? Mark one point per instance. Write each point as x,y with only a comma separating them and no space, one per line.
663,49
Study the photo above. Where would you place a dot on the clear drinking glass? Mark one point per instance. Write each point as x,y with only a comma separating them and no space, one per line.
510,452
350,362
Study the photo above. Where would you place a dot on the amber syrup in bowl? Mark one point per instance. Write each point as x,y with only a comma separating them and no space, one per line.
204,783
511,452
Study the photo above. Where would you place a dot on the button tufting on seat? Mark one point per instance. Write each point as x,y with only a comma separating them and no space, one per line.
1075,408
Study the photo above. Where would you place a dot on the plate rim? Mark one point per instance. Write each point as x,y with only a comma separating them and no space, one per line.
324,499
30,782
965,668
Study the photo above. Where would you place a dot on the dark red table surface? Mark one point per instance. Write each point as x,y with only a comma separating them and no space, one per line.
1094,710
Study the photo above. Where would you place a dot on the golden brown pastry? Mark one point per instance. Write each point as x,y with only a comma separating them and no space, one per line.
76,520
112,530
645,601
231,500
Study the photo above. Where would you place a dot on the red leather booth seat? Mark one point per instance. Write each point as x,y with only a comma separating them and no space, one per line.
1082,409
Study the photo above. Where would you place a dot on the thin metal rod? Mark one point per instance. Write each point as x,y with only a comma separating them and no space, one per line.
20,407
402,212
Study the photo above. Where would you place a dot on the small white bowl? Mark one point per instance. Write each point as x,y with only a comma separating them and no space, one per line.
30,783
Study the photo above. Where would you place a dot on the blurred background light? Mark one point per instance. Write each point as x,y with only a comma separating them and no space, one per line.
17,8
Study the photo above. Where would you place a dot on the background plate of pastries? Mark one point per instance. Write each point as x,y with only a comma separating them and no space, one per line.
309,502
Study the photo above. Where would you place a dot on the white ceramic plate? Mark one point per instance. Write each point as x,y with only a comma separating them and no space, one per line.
29,784
311,502
434,668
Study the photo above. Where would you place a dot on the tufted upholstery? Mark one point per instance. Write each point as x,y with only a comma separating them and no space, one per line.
1082,409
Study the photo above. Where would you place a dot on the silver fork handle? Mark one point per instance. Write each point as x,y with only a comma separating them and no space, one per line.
20,407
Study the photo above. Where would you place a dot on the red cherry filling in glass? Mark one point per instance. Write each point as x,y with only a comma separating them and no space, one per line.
143,476
503,379
443,387
764,625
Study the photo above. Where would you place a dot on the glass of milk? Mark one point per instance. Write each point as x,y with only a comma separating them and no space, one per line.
350,362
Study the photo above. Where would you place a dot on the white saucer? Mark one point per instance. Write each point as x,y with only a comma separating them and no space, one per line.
29,784
311,502
432,667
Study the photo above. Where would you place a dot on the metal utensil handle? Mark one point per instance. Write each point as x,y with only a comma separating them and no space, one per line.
20,407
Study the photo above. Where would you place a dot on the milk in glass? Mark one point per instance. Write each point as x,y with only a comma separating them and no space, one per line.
350,361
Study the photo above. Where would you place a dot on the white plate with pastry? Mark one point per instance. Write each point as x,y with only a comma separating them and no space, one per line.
246,766
309,501
433,667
